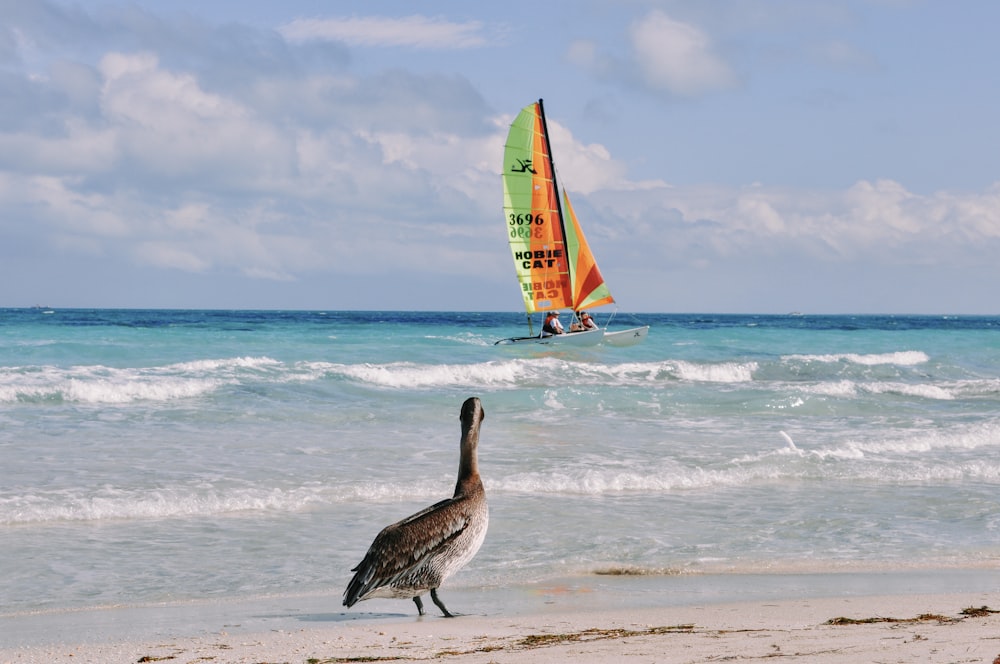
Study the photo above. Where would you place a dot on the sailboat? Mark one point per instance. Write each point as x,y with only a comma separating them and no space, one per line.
555,267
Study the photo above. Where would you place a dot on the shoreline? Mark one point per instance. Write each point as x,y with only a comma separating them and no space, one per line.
682,619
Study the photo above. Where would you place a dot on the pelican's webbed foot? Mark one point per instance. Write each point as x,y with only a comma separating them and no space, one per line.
440,604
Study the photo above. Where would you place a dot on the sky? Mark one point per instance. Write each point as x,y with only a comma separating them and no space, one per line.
741,156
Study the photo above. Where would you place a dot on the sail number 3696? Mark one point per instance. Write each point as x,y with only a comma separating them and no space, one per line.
526,225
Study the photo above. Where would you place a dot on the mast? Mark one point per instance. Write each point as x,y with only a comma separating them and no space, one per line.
555,186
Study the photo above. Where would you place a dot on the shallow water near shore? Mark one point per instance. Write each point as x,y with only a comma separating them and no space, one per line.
155,457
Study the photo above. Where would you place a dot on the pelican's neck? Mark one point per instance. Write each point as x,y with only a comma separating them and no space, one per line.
468,465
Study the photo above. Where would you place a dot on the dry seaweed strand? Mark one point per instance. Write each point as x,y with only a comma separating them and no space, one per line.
923,617
595,634
529,642
970,612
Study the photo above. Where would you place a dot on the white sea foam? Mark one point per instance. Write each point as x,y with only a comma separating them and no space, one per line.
723,372
100,385
788,440
600,481
540,372
97,384
402,375
922,451
907,389
412,375
850,388
983,435
114,504
224,365
839,388
900,358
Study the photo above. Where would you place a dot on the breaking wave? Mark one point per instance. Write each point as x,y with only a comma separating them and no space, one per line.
900,358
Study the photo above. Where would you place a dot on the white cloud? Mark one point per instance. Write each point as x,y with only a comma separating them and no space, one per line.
170,126
677,57
664,56
78,148
137,90
62,203
879,220
443,160
170,255
411,31
174,175
586,168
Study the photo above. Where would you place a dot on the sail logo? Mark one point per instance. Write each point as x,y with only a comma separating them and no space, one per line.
539,258
542,293
523,166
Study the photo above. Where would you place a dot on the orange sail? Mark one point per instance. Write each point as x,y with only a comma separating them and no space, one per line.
589,289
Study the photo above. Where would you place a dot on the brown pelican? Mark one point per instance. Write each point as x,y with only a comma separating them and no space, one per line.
418,553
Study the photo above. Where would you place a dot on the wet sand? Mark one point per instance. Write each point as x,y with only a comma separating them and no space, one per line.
584,620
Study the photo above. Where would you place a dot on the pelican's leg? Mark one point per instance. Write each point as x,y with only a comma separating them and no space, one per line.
440,604
420,604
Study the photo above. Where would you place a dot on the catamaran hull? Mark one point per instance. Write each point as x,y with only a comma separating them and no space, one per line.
570,339
626,337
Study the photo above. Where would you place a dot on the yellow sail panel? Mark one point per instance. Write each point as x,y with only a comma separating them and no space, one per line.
589,289
531,208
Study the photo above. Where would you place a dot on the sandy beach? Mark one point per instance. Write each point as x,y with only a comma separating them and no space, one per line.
559,625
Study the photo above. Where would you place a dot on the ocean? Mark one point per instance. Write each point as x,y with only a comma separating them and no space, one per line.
153,456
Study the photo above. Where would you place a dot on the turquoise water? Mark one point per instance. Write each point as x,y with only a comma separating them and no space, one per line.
153,456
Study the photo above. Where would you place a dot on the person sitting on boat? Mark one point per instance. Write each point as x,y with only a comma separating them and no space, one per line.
583,323
552,325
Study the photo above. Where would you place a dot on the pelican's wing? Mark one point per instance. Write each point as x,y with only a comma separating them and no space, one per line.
406,544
